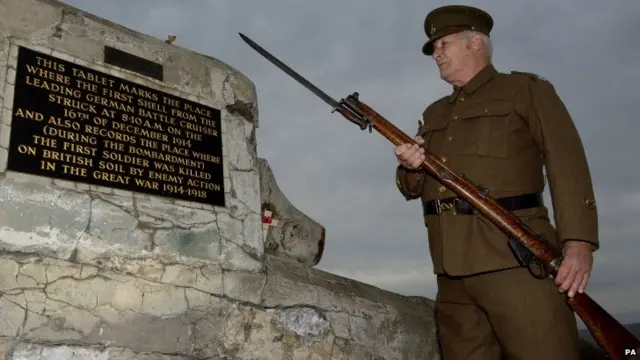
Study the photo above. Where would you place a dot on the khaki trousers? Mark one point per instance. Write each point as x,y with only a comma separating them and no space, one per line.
507,314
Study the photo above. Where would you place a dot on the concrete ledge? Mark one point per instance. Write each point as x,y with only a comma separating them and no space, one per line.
55,307
380,323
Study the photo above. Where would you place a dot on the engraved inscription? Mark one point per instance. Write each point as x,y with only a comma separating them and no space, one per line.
75,123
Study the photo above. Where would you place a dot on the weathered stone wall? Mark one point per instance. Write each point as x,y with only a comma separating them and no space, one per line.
89,272
92,224
137,309
296,236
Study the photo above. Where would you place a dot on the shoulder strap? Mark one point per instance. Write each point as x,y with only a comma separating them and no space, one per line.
529,75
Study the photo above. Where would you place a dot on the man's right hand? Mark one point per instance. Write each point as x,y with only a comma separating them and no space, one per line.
411,156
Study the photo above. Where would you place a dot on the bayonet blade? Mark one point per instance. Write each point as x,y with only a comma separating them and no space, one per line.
314,89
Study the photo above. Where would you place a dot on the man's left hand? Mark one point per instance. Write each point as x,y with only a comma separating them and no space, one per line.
575,270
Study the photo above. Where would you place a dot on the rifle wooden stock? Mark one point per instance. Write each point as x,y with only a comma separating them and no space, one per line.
611,335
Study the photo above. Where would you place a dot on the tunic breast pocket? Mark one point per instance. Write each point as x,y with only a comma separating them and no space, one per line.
484,129
433,131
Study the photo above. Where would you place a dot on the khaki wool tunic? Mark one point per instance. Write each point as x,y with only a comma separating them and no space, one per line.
499,131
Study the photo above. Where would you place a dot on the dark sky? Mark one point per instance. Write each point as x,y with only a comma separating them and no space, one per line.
344,178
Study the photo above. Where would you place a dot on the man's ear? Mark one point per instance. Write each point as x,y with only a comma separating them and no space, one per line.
476,43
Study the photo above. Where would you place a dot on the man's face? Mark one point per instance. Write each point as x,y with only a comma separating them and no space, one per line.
452,54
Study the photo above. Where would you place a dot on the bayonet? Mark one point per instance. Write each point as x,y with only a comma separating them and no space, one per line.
345,106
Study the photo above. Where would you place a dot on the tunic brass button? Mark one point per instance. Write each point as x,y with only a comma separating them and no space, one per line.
486,111
450,138
589,202
455,117
462,99
442,189
444,159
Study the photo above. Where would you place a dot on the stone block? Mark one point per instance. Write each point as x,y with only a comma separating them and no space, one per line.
99,224
201,313
296,236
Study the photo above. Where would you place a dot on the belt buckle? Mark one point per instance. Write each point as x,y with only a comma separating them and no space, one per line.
442,207
454,206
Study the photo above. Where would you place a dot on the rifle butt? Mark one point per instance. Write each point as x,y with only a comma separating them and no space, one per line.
611,335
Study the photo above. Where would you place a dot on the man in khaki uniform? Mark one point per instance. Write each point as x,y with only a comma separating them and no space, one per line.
499,130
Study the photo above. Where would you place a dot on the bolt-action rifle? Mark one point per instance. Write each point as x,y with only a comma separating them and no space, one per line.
617,341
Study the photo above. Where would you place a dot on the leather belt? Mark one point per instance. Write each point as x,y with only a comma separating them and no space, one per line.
460,207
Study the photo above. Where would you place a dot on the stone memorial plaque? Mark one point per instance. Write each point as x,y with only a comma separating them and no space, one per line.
75,123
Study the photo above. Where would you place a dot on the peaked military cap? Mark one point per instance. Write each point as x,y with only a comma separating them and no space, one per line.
451,19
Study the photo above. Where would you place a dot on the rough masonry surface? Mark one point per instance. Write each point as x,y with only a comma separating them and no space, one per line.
51,307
